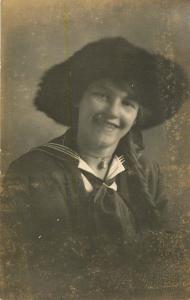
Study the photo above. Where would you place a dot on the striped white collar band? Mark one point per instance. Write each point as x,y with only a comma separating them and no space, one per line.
118,164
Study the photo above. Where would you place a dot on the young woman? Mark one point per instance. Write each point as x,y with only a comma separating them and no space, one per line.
84,211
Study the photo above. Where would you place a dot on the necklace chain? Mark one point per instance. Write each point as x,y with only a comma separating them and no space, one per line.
103,163
96,157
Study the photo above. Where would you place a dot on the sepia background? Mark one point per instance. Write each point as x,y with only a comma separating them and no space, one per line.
41,33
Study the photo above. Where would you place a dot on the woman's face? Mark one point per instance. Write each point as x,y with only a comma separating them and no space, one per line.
107,111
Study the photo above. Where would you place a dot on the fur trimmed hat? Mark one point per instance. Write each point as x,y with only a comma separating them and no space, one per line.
160,84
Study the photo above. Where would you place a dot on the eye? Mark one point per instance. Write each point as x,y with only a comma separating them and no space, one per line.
101,96
130,103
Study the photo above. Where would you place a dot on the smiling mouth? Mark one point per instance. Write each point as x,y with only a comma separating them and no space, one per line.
107,124
110,125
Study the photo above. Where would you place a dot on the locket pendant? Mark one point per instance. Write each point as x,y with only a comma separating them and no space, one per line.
103,164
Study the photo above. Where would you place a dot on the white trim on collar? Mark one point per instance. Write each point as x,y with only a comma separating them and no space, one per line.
117,165
115,168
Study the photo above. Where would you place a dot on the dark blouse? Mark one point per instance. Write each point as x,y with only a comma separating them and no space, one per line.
63,243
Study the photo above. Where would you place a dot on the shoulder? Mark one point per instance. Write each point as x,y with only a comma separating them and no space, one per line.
152,174
33,172
150,168
39,163
32,162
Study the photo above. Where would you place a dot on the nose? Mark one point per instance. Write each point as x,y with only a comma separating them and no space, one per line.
114,107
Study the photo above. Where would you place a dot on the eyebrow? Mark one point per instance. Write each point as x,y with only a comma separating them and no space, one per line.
99,87
129,93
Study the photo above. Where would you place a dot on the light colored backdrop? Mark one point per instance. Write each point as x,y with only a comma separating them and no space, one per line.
40,33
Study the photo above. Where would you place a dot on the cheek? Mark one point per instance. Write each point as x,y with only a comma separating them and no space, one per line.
96,105
90,106
84,109
134,117
129,118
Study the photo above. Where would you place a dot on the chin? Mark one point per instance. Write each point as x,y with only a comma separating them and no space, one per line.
105,141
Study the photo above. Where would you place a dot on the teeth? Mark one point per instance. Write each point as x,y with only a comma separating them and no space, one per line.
112,124
106,122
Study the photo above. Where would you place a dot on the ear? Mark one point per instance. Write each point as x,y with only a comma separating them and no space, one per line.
137,138
139,117
135,122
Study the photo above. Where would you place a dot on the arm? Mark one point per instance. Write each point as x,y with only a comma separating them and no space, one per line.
155,182
39,248
13,213
168,244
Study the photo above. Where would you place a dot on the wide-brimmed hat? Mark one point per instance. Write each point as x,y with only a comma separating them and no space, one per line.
160,85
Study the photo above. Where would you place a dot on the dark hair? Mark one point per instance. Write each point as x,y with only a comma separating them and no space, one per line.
160,84
160,87
146,212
